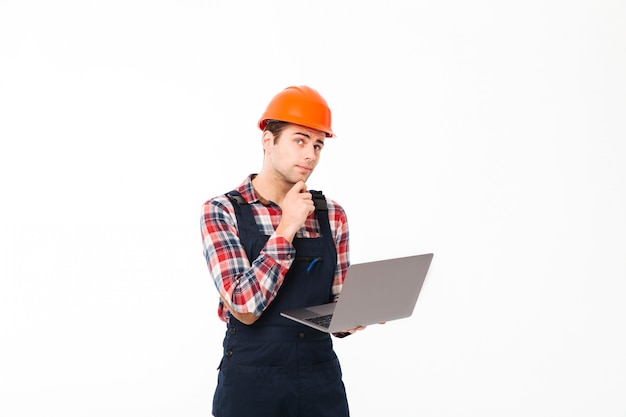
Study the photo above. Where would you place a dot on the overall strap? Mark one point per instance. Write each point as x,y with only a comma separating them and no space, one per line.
321,209
249,233
243,211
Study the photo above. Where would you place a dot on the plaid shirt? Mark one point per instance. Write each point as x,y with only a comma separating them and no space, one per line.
251,287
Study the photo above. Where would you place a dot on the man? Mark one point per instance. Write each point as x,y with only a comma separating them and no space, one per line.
272,245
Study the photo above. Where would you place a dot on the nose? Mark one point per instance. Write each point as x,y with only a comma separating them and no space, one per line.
309,153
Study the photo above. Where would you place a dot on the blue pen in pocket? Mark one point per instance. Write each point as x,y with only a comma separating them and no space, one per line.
313,262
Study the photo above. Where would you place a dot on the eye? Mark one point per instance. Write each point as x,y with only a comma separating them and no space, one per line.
318,147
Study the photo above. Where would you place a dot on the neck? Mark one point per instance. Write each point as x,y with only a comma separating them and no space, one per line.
270,188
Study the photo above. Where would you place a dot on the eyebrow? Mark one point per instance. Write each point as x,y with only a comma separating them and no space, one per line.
319,141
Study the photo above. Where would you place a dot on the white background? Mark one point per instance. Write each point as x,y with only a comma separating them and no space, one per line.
488,132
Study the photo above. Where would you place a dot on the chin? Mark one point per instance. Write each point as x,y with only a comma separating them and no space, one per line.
301,177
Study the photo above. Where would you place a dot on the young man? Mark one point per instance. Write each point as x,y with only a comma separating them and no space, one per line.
272,245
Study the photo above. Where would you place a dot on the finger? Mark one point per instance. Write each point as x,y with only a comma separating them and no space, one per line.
299,187
356,329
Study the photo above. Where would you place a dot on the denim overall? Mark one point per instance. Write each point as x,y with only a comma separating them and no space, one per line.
277,367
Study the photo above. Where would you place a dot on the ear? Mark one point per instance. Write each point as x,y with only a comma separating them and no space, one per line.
267,140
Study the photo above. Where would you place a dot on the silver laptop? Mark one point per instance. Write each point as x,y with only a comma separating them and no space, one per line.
373,292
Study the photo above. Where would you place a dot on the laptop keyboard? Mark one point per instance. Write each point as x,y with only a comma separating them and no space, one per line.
323,321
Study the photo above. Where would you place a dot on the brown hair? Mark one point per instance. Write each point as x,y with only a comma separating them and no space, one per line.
275,127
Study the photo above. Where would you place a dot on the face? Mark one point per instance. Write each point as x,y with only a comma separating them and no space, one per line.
293,156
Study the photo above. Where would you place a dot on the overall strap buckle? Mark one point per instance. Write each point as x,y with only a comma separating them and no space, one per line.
319,200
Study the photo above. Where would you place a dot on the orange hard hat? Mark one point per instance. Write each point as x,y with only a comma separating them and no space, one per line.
301,105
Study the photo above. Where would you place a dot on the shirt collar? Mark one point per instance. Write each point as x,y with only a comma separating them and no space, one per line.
248,193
